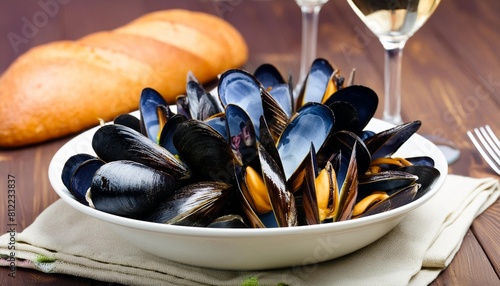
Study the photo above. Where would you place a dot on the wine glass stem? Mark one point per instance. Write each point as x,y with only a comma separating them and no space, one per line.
310,14
392,101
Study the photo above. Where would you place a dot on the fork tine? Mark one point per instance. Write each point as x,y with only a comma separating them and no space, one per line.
485,149
494,142
488,144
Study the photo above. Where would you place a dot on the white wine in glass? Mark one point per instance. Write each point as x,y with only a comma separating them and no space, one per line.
393,22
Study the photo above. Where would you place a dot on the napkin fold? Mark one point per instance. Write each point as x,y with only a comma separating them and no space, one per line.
63,240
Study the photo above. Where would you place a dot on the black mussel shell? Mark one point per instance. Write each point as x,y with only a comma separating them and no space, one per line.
276,118
309,200
167,133
316,83
182,105
251,216
363,99
402,197
283,95
312,123
205,151
346,117
202,104
148,106
269,76
117,142
427,176
82,179
348,187
197,204
343,141
388,181
128,120
282,201
243,89
130,189
273,83
70,166
218,123
386,143
77,174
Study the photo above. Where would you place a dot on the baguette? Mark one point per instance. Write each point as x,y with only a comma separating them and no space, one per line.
64,87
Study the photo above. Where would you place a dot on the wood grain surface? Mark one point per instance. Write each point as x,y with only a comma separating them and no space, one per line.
451,81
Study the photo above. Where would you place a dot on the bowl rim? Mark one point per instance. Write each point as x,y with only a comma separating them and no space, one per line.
84,138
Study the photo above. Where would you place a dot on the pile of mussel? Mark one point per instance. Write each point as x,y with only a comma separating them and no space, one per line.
256,157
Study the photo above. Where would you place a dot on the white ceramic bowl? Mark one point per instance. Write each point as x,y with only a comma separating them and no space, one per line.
251,249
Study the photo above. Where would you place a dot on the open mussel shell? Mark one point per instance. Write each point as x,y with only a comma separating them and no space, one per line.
316,83
182,106
309,213
117,142
346,117
268,203
251,216
243,89
130,189
218,123
363,99
269,76
70,166
205,151
151,116
400,198
196,204
387,181
348,188
202,104
344,141
427,176
77,174
325,197
312,123
167,133
282,201
386,143
274,84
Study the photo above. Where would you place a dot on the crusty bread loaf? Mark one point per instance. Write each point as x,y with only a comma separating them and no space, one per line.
64,87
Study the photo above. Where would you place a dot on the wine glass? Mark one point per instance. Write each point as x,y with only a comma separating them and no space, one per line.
310,11
394,22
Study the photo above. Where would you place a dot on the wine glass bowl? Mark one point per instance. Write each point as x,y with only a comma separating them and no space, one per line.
394,21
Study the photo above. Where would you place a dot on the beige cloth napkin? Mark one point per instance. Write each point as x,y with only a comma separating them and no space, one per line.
63,240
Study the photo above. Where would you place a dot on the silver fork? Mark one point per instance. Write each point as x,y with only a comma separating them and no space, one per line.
488,146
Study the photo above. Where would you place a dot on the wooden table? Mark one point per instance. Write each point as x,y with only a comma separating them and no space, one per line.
451,81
